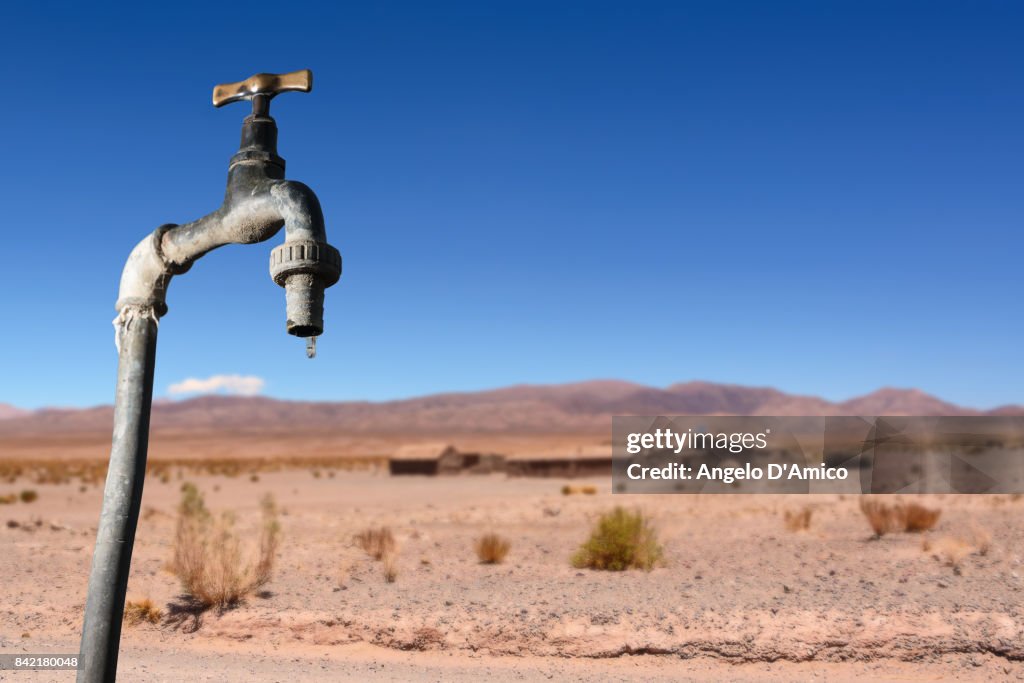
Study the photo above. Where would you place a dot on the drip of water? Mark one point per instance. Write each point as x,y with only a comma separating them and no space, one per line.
310,347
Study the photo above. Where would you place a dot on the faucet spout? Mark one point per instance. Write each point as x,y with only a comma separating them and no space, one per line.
257,204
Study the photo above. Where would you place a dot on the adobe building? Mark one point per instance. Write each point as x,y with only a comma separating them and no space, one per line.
581,461
434,459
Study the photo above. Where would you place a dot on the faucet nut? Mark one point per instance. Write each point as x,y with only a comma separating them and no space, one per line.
305,257
305,267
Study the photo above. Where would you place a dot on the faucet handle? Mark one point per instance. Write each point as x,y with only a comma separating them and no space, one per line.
261,88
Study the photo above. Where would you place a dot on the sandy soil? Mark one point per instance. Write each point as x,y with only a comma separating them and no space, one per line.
739,598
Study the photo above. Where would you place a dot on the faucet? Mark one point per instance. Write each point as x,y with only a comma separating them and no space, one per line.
257,204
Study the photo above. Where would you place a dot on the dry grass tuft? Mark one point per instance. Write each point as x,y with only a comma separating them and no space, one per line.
377,542
138,611
798,520
620,540
208,557
885,518
94,472
389,563
9,499
981,539
492,548
570,490
881,516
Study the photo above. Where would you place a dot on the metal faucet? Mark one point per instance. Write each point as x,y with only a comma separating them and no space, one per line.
257,204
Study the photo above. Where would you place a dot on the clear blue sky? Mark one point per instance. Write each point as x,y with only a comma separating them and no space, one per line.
825,197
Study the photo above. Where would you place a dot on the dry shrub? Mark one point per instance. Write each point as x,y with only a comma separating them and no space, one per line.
885,518
951,552
208,554
138,611
588,490
798,520
389,562
918,518
377,542
569,490
620,540
9,499
492,548
28,496
981,539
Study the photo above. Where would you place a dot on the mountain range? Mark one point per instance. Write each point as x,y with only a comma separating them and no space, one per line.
577,407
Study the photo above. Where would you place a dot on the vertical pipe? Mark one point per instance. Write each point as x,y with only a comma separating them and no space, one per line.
122,496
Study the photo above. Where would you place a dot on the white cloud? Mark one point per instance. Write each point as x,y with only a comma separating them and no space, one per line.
237,385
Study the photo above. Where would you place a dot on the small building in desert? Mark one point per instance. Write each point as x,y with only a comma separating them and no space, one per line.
579,461
443,459
483,463
425,458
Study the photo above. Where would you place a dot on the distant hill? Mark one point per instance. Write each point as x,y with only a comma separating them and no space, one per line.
8,412
578,407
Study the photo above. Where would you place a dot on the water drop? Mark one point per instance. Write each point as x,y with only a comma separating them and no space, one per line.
310,347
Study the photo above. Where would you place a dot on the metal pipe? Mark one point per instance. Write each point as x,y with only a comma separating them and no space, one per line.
122,496
257,204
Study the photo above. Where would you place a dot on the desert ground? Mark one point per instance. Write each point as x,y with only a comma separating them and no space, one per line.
738,595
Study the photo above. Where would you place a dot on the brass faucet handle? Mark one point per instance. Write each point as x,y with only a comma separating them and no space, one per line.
261,88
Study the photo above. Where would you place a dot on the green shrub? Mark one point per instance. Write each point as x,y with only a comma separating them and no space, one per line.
620,540
28,496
